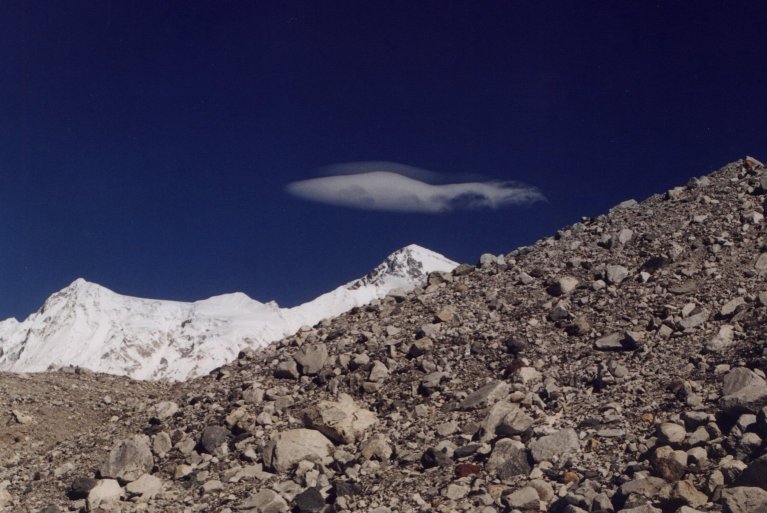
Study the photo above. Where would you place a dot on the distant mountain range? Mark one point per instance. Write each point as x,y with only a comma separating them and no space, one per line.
90,326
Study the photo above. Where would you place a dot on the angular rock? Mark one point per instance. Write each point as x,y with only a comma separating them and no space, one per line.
563,286
525,498
744,499
555,447
128,460
265,501
505,419
615,274
312,358
485,396
744,391
343,421
289,447
105,493
508,459
309,501
146,486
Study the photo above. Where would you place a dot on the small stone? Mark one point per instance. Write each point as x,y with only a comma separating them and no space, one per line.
615,274
524,498
456,491
485,396
466,469
563,286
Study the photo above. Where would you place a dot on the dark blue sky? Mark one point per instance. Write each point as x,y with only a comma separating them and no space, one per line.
146,145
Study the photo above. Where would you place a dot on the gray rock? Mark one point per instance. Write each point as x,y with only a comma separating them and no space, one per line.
486,395
265,501
289,447
563,286
508,459
107,492
312,358
505,419
287,369
744,499
722,340
343,421
744,391
670,433
524,498
555,447
615,274
213,437
128,460
146,487
731,307
697,318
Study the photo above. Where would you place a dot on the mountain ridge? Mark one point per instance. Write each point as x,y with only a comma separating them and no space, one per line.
88,325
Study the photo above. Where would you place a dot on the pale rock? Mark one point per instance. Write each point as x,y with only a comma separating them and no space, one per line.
343,421
105,493
289,447
128,460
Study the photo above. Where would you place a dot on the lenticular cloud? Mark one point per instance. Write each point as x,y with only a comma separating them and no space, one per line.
389,190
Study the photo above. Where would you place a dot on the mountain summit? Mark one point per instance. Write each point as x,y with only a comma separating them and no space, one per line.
90,326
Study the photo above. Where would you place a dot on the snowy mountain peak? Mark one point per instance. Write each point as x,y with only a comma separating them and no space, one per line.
90,326
410,264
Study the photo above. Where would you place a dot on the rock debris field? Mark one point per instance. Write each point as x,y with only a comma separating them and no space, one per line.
616,366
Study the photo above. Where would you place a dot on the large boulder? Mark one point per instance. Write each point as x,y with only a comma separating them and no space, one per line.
343,421
744,499
128,460
289,447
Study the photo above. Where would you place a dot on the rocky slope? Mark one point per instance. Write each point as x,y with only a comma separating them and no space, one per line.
617,366
90,326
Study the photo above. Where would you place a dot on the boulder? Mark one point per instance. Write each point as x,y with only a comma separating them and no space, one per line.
289,447
106,492
265,501
505,419
555,447
128,460
744,499
508,459
343,421
311,358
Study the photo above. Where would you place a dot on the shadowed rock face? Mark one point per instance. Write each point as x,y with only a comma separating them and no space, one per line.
576,374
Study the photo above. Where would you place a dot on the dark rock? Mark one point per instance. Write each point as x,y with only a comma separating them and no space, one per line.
309,501
213,437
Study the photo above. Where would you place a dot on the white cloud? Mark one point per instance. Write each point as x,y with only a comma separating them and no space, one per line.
392,191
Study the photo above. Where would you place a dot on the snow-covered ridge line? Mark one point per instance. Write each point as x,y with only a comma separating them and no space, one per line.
90,326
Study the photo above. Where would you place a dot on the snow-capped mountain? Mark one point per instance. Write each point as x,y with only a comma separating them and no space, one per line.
90,326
